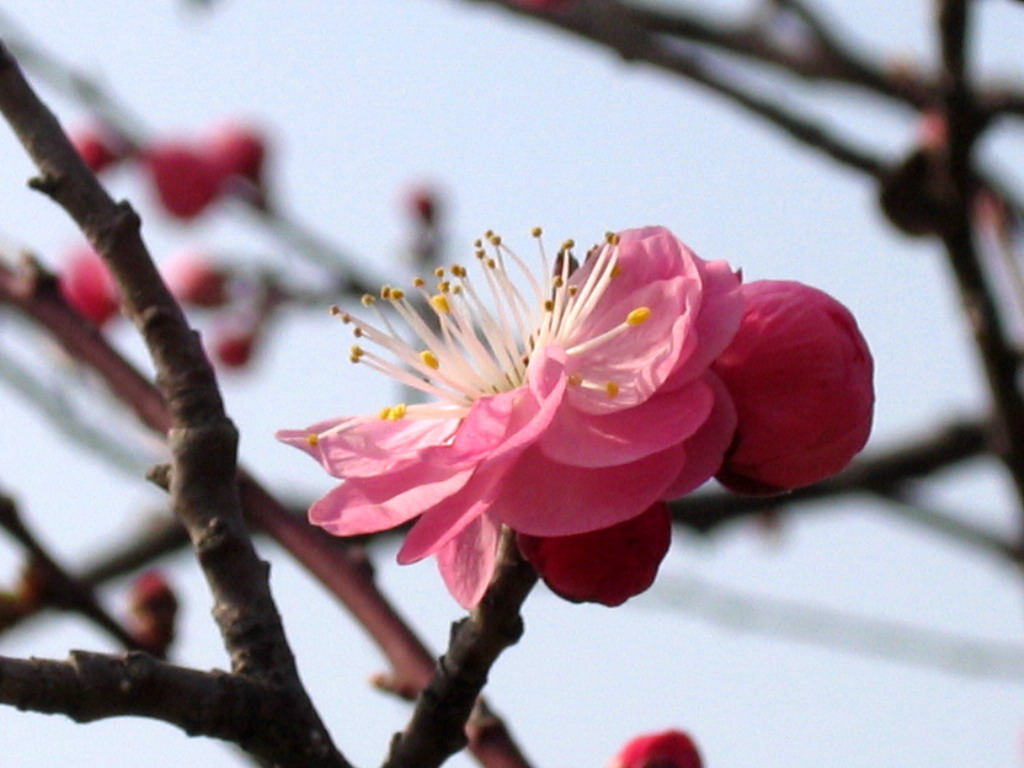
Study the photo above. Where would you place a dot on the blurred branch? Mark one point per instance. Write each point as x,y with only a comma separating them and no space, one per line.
51,586
816,624
202,439
616,26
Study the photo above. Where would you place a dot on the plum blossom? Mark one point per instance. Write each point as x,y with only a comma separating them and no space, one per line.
667,749
569,406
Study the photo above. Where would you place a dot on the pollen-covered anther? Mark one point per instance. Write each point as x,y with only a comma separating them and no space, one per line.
440,303
459,271
568,245
397,294
611,238
575,380
313,439
494,240
356,353
367,300
638,316
611,389
394,413
429,359
536,232
418,282
549,306
336,310
439,272
616,271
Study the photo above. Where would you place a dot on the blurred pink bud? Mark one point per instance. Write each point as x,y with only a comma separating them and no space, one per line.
97,147
233,347
186,180
423,204
238,150
668,749
800,374
88,286
606,566
933,129
154,607
194,279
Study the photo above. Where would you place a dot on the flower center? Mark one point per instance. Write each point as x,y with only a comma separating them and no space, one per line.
471,341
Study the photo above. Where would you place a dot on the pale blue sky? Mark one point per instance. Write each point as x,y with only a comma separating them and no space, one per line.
524,127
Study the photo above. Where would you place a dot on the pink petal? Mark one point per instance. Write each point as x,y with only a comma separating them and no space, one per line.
370,445
467,561
705,450
587,440
721,309
542,497
369,504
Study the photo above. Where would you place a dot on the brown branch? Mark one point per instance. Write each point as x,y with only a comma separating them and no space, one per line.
437,728
53,585
202,439
91,686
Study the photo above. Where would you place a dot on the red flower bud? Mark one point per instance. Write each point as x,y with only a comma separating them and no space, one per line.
99,148
88,286
194,279
186,180
423,205
238,150
800,374
606,566
234,347
154,608
669,749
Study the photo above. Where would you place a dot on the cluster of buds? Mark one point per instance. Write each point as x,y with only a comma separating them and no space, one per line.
187,175
195,279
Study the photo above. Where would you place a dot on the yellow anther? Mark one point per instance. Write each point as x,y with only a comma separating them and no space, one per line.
612,389
478,243
491,264
536,231
313,439
440,304
384,413
495,240
568,245
575,380
397,412
418,282
616,271
356,353
346,317
457,289
335,310
357,332
385,291
397,294
459,271
573,290
430,359
439,272
638,316
611,238
549,305
367,300
481,255
444,286
558,282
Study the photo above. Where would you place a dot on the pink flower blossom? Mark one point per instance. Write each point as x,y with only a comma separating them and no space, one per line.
566,408
800,375
668,749
606,566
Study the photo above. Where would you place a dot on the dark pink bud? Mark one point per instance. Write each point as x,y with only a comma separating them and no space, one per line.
423,205
186,180
97,147
234,347
194,279
800,374
154,607
238,150
606,566
668,749
88,286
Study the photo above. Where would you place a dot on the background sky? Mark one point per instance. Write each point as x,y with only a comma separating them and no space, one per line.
523,126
